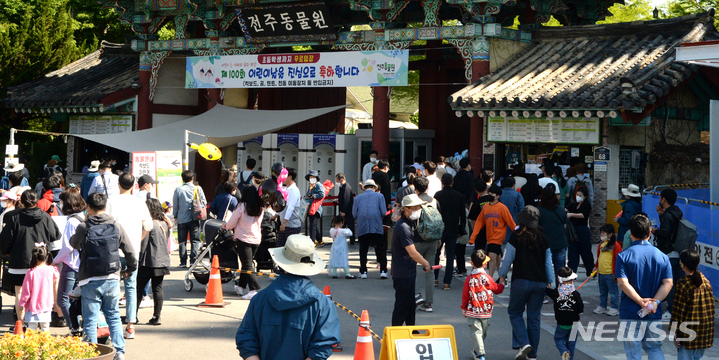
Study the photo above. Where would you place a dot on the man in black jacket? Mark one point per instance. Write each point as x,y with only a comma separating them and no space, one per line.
451,205
24,228
669,217
345,201
464,181
381,178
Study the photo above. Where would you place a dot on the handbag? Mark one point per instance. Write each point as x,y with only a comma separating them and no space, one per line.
569,231
199,212
228,213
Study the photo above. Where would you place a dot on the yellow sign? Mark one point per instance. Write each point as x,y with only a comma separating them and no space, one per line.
436,342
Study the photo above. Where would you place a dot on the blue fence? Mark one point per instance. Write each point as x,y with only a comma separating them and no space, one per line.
706,219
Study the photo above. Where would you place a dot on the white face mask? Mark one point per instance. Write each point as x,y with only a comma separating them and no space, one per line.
415,215
313,181
440,166
373,160
337,184
580,198
604,237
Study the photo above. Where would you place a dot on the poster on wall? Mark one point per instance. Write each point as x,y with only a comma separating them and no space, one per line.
100,124
143,163
169,174
544,130
298,70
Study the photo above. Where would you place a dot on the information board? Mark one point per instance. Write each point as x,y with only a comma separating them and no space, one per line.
433,348
169,174
100,124
544,130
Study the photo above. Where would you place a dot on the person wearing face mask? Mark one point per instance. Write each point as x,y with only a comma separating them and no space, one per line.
607,252
443,164
578,214
345,201
367,169
316,193
404,261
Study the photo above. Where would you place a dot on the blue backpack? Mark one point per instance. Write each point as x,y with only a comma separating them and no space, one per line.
101,252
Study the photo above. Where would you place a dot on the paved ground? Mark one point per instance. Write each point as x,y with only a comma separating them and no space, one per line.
188,331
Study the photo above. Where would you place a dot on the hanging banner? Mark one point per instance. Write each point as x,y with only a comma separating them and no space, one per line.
169,174
298,70
286,23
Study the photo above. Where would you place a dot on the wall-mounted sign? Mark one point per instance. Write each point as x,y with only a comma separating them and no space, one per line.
320,139
602,153
544,130
286,23
100,124
299,70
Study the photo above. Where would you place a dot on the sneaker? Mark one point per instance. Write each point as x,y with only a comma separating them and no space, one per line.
566,355
350,277
129,332
363,275
600,310
418,300
522,352
249,295
119,356
426,307
477,357
612,312
146,303
57,321
459,275
183,266
446,287
155,321
123,301
238,290
319,244
436,283
667,316
383,275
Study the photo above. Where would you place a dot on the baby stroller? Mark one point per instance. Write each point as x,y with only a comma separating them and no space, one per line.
219,242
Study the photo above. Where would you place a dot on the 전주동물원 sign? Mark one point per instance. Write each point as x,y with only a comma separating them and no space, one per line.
335,69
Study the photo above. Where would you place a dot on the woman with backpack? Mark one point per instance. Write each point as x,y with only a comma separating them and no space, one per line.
154,261
74,206
631,206
578,214
246,221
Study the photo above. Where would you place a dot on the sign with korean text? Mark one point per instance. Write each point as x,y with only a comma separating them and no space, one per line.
424,349
100,124
286,23
143,163
544,130
299,70
324,139
602,153
169,174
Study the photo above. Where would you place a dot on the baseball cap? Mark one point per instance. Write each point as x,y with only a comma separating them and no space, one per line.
145,179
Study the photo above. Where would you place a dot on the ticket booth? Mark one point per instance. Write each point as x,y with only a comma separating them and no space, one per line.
254,149
329,156
286,149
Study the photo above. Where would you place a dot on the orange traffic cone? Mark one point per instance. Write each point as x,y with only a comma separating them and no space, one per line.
18,328
364,349
214,287
336,347
327,292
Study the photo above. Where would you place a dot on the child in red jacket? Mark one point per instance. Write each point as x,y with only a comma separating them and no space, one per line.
478,301
607,252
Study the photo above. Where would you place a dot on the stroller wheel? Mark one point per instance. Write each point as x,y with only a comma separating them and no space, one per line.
188,285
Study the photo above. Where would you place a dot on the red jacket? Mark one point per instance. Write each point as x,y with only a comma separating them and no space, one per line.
45,203
478,294
617,249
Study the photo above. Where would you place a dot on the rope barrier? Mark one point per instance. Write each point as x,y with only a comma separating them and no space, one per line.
350,312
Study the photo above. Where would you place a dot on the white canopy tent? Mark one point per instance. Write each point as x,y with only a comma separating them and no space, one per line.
223,126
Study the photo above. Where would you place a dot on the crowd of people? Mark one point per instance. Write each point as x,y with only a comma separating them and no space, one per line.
114,229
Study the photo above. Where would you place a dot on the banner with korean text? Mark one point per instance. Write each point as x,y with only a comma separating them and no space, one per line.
297,70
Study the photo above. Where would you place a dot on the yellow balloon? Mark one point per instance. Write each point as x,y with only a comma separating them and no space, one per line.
208,151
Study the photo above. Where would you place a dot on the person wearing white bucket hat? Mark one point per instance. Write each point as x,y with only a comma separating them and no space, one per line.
290,319
631,206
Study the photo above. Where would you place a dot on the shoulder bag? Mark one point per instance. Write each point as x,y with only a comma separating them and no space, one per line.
199,212
569,231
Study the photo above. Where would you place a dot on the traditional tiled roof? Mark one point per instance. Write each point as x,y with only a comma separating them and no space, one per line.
580,67
82,83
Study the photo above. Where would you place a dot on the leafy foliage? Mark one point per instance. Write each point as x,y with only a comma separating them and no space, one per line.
687,7
632,11
92,23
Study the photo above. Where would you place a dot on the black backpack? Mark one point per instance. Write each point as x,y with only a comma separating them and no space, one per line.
244,182
101,253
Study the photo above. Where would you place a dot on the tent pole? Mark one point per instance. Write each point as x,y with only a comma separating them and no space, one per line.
186,155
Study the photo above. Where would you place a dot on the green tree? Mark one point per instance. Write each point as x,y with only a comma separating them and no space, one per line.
92,24
687,7
631,11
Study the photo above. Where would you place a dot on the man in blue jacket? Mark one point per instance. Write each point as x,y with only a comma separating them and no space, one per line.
291,319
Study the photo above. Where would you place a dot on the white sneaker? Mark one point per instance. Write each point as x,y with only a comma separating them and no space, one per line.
363,275
238,290
600,310
249,295
612,312
146,303
523,352
667,316
566,355
123,302
383,275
